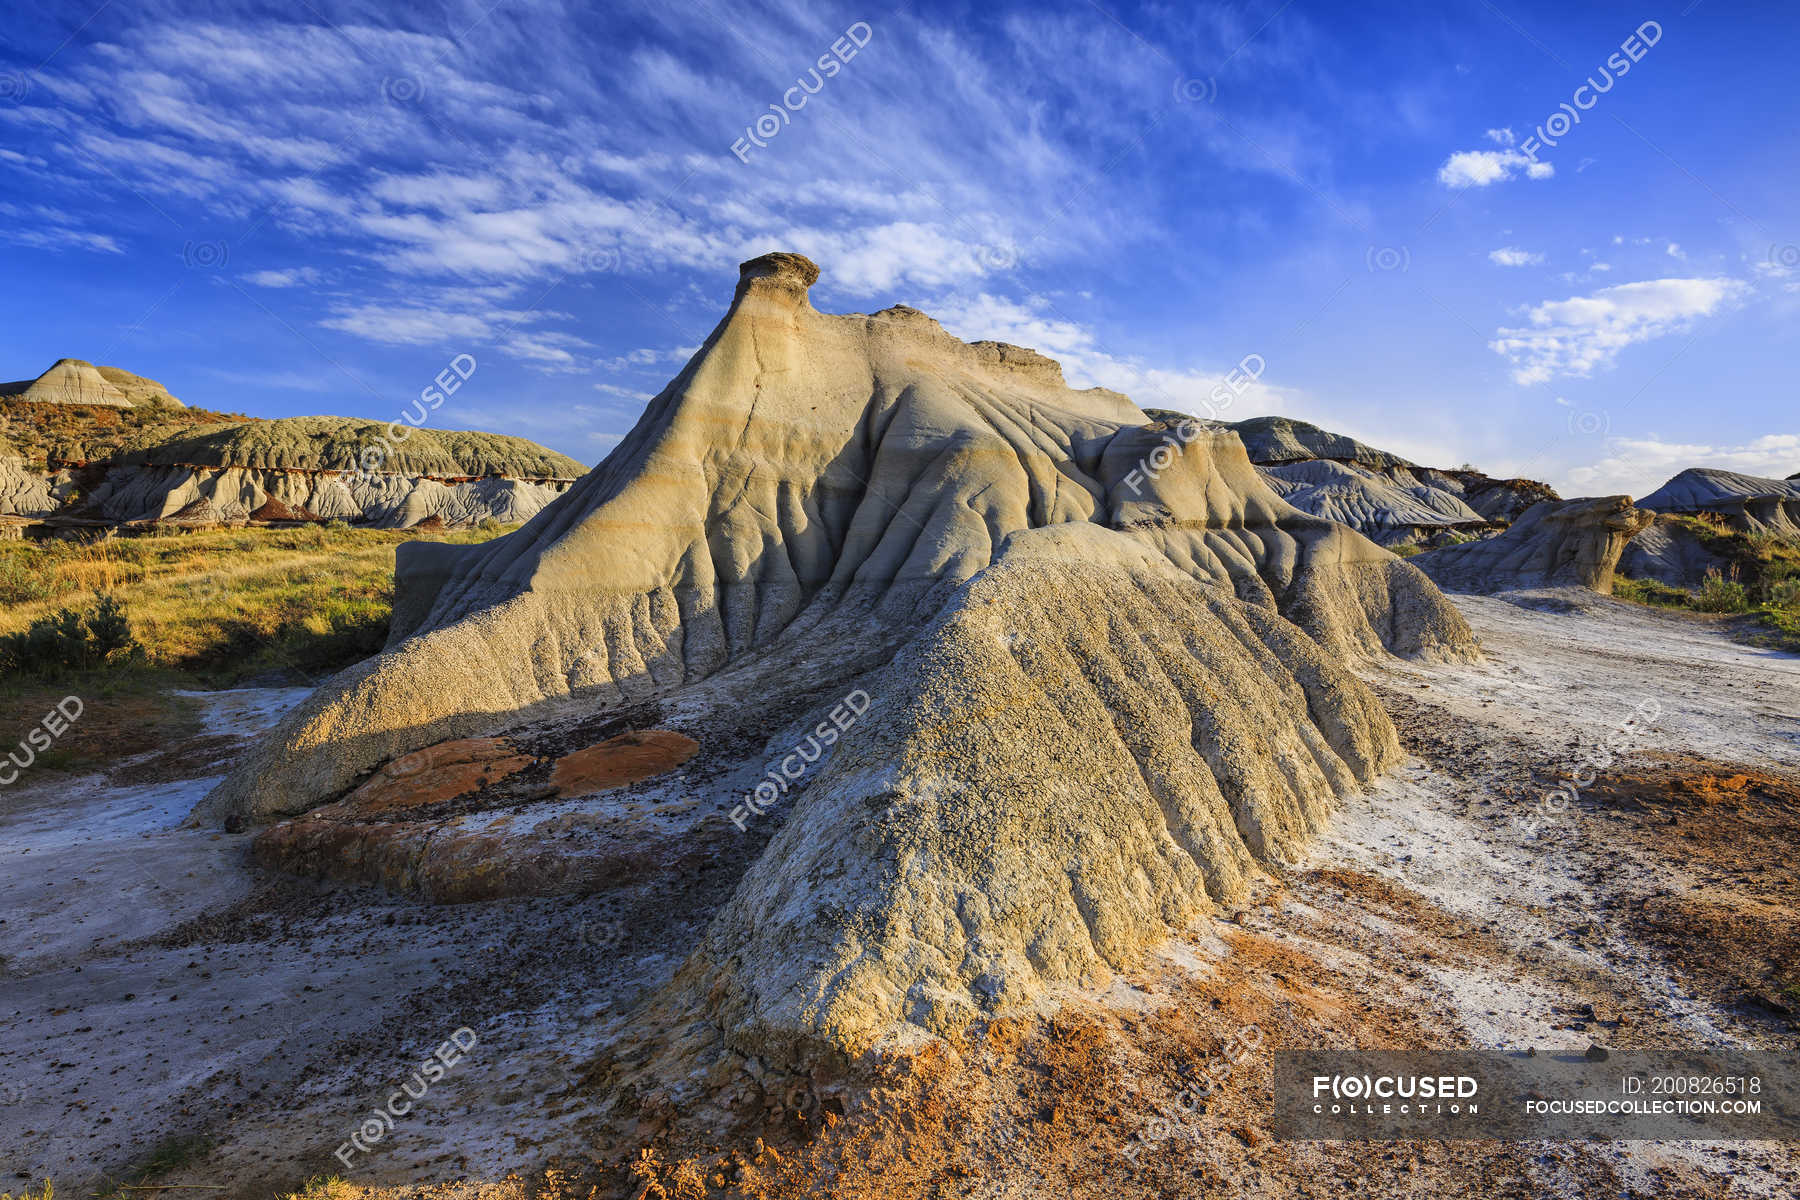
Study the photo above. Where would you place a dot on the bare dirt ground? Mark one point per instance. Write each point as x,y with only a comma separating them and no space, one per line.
170,1014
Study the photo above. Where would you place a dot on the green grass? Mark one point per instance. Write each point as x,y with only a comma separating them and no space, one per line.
206,610
1649,591
325,1187
1761,579
227,605
1783,627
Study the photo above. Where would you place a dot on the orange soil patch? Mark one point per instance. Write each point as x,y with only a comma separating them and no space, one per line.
620,760
275,510
1690,782
441,772
1726,837
1173,1098
399,830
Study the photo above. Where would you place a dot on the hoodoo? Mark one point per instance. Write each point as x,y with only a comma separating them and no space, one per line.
1556,543
1107,667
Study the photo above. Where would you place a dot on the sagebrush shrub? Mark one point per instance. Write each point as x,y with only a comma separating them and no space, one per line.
69,640
1720,595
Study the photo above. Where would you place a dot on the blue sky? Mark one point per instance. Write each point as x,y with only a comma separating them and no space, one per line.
311,206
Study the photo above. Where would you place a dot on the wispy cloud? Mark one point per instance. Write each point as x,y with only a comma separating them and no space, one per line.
1512,256
287,278
1574,337
1033,324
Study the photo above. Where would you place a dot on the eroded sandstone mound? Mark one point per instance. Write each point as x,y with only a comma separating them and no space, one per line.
1104,665
1749,503
1085,748
1376,492
1557,543
68,381
149,465
1376,505
1672,552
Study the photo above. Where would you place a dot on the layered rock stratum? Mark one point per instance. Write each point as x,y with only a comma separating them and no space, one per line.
1748,503
1377,505
1672,552
1376,492
105,447
1104,670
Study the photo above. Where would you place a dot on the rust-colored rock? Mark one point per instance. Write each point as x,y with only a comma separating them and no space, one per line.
441,772
620,760
385,832
273,509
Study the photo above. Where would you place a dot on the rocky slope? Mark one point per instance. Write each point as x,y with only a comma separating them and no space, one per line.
1376,504
1379,494
1672,552
73,381
1748,503
1557,543
1032,705
139,461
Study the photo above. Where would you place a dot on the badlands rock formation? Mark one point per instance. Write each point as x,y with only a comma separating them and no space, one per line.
1375,492
1273,440
1672,552
23,491
1749,503
72,381
156,466
1557,543
308,463
1103,671
1376,505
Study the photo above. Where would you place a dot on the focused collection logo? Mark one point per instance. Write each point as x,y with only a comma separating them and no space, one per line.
1395,1095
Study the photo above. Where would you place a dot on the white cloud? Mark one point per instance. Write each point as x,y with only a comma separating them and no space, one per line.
1479,168
1502,137
623,393
1512,256
58,239
290,277
398,325
1638,466
646,357
1034,324
1675,251
1573,337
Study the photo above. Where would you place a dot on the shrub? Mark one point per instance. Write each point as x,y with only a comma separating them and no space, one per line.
1785,593
20,581
69,640
1650,591
1720,595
